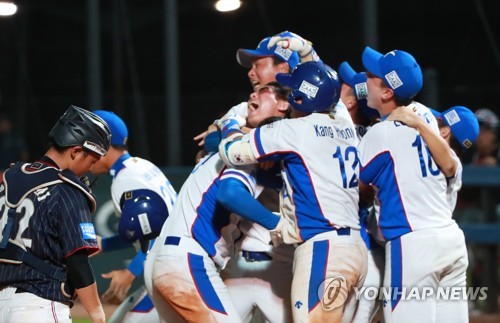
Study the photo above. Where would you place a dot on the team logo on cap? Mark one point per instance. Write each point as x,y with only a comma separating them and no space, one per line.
467,143
393,80
452,117
285,53
361,90
308,89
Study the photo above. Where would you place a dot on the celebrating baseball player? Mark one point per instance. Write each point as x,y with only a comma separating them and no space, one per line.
425,247
353,94
195,240
47,233
129,174
318,212
458,126
257,266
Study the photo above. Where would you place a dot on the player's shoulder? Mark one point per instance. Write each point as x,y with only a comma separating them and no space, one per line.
135,161
64,192
282,125
379,128
240,109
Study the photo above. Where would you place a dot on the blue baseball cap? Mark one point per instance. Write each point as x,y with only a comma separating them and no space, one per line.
119,131
245,57
357,81
462,122
397,68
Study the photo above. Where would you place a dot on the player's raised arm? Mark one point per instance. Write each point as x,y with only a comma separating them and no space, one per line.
438,147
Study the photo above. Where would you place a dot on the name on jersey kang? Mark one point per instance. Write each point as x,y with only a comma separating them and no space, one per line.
333,132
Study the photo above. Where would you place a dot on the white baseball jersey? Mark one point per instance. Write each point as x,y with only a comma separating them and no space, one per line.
194,239
196,213
132,173
454,183
320,169
410,187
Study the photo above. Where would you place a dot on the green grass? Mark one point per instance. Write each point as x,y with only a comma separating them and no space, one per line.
80,320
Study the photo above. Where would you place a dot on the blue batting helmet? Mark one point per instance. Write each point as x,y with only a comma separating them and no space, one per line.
315,87
143,213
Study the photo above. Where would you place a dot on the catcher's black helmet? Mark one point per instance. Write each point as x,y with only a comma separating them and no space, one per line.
79,127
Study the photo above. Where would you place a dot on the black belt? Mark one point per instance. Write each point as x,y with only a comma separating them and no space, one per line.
171,240
344,231
340,232
20,290
251,256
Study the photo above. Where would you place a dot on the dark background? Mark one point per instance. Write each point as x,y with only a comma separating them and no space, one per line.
43,57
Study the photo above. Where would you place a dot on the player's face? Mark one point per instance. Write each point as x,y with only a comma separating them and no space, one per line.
263,104
264,71
100,167
376,87
83,162
349,99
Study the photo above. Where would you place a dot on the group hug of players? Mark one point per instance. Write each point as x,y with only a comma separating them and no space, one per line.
322,183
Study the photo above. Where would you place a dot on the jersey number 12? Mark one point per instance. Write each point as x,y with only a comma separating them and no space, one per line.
350,154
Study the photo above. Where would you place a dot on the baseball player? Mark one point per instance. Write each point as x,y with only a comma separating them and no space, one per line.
353,95
129,174
143,213
425,248
47,233
259,275
458,126
318,212
195,240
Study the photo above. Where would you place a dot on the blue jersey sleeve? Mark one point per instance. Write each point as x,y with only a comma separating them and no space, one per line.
136,266
235,197
212,141
114,243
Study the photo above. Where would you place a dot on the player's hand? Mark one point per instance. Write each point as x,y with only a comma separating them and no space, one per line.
201,136
97,315
230,123
121,280
406,115
296,44
283,233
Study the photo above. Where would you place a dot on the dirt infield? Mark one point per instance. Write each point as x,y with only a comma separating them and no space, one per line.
79,312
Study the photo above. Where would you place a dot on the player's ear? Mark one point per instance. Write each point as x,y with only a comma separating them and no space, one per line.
387,93
283,67
445,132
350,102
74,151
283,106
